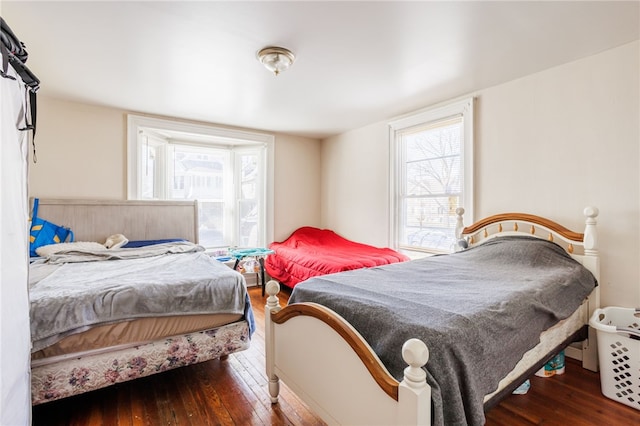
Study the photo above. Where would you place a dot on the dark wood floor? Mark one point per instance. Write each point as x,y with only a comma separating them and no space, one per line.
234,392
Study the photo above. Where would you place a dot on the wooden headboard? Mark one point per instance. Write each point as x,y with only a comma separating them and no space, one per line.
95,220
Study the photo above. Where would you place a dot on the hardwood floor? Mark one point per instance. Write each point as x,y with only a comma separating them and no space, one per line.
234,392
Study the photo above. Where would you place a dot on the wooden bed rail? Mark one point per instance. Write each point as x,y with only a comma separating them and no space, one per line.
527,218
411,397
523,223
387,383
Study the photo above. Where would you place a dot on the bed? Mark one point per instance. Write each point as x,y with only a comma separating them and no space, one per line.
310,252
347,344
104,316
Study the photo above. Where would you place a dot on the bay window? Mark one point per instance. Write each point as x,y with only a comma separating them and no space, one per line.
227,171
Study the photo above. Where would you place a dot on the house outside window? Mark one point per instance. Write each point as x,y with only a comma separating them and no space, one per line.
229,172
431,176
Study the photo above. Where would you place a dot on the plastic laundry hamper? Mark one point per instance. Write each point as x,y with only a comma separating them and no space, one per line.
618,331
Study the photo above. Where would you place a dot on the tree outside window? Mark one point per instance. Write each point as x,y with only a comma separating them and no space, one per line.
431,169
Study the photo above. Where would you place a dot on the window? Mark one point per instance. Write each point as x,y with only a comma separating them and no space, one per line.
229,172
431,176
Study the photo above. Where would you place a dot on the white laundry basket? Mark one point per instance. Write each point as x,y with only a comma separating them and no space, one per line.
618,331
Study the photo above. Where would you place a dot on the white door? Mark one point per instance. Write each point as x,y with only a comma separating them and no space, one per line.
15,340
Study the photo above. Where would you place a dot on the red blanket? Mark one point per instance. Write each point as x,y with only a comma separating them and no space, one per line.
310,252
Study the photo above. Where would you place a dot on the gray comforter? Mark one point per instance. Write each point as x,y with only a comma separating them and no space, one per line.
80,289
478,311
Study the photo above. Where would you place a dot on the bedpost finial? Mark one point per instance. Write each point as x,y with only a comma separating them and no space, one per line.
272,288
590,239
459,223
416,354
591,212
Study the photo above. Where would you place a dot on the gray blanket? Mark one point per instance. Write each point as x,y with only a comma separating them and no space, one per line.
71,297
478,311
69,254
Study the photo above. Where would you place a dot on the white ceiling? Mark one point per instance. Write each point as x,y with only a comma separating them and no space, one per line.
357,62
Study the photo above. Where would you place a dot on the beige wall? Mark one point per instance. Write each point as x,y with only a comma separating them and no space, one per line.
550,144
81,153
297,191
355,175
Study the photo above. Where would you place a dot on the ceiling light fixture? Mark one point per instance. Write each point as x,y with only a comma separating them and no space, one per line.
276,59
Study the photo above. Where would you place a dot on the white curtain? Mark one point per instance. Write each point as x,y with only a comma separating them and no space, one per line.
15,335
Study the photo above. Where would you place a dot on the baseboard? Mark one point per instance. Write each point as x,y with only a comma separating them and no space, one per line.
252,279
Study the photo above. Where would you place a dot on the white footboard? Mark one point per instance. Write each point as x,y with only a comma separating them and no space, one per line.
329,366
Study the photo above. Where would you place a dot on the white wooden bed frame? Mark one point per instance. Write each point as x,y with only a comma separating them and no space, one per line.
94,221
328,364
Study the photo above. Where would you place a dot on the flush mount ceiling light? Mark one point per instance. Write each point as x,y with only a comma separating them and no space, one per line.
276,59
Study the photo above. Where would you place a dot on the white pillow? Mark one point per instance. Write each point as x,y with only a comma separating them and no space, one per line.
48,250
116,241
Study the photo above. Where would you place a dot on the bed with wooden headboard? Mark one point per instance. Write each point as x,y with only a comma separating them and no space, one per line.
433,339
85,356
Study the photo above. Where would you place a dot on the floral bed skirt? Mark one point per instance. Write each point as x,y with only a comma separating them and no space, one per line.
85,373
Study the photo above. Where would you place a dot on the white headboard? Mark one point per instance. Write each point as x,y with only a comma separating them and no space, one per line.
95,220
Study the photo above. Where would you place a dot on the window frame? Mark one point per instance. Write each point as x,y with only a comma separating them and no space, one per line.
210,134
465,109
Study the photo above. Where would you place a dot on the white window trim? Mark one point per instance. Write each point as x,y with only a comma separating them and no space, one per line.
136,123
462,107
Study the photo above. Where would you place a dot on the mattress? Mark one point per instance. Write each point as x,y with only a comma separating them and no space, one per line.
75,291
134,331
549,340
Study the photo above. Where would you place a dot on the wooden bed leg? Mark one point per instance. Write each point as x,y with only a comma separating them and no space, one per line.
272,306
274,389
